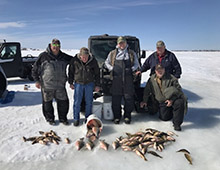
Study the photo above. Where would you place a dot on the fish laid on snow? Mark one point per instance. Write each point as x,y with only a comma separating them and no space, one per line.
140,154
115,144
188,157
67,140
90,145
184,151
79,143
103,145
155,154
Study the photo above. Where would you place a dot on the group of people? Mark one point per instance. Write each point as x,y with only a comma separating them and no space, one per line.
162,93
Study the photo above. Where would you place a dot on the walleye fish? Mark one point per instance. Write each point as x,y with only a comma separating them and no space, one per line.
188,157
55,141
42,142
126,148
37,139
155,154
67,140
90,145
140,154
103,145
171,133
115,144
184,151
96,131
144,150
79,144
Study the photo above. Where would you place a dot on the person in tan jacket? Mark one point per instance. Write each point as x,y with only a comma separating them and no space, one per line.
166,96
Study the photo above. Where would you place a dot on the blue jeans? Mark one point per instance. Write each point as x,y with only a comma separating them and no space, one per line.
78,95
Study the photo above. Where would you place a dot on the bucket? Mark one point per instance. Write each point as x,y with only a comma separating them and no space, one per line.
107,111
97,109
92,118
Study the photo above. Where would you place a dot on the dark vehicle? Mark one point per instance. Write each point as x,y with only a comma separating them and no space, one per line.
100,46
13,64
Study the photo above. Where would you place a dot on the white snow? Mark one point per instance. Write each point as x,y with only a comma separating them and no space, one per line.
200,130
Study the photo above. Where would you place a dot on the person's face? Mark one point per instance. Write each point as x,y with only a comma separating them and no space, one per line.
160,50
122,45
160,72
84,58
55,48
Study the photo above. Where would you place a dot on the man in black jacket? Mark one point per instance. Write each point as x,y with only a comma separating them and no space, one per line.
84,77
49,72
164,57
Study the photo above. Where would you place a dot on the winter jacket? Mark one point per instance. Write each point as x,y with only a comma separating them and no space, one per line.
84,73
50,70
169,62
119,54
170,89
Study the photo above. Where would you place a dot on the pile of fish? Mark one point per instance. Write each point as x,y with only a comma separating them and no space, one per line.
141,143
46,138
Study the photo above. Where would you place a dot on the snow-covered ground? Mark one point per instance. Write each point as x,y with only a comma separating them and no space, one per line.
200,130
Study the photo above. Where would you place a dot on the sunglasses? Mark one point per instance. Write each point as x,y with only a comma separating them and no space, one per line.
56,45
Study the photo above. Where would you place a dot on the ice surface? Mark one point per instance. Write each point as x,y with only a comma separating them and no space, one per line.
200,130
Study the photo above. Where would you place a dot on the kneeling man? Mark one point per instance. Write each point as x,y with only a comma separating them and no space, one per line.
167,97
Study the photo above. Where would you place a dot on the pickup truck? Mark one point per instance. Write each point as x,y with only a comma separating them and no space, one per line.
11,61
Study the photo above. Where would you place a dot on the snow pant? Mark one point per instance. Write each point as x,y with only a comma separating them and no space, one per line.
79,89
128,107
62,100
176,111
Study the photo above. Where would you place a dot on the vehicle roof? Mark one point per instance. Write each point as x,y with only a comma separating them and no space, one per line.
106,36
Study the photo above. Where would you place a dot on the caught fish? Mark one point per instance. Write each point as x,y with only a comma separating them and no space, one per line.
188,157
169,138
103,145
92,138
96,131
140,154
184,151
67,140
24,139
126,148
155,154
42,142
144,150
90,145
115,144
171,133
79,144
55,141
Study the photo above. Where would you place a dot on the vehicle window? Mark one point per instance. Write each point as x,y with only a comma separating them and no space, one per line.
101,48
8,52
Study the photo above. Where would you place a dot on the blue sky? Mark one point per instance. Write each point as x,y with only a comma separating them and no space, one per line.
182,24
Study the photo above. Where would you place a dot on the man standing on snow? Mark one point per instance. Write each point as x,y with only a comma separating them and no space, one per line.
168,96
122,62
164,57
49,72
84,77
